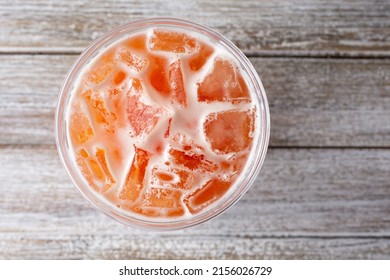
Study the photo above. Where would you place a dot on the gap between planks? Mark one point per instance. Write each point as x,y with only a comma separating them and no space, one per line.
260,54
274,147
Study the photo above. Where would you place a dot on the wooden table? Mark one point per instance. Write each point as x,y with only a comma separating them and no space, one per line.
324,191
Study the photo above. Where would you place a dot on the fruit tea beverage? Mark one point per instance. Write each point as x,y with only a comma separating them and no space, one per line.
161,124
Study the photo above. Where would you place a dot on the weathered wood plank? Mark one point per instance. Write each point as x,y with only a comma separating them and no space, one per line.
313,102
128,246
261,27
300,192
307,204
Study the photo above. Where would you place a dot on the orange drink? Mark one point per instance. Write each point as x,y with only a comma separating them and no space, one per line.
162,123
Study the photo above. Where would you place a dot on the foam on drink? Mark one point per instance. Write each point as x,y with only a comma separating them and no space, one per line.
161,123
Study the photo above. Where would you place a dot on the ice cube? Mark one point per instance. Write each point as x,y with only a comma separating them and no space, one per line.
172,178
192,161
98,110
142,117
95,169
206,195
79,125
170,41
229,131
223,83
160,202
102,68
134,183
178,93
199,58
132,60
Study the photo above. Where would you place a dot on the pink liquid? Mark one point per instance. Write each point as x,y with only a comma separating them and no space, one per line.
161,123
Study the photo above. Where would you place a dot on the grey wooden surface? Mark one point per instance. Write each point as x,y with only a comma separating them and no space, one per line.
324,190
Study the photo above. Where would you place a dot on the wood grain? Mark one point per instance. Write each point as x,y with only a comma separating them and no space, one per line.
279,27
129,246
300,192
313,102
306,203
324,190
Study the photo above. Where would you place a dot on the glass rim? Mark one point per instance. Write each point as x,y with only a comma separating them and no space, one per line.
257,152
